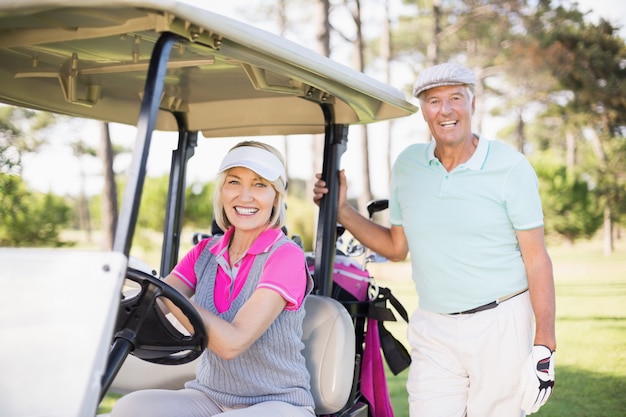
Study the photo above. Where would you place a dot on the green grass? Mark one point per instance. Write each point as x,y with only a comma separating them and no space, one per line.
591,332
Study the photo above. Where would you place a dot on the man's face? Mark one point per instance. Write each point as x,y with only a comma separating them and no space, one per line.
448,112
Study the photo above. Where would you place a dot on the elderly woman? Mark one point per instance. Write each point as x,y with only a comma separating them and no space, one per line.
249,287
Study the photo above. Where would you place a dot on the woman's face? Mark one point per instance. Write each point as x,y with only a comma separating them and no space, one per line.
248,199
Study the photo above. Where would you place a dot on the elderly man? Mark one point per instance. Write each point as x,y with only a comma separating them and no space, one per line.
468,209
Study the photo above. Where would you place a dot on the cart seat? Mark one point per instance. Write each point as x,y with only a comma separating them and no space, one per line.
329,349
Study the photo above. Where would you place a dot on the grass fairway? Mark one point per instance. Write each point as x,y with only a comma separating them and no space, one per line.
591,331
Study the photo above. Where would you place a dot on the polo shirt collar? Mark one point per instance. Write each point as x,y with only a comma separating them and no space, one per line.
262,244
476,161
479,156
265,241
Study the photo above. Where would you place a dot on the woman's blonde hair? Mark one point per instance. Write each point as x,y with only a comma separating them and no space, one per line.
277,218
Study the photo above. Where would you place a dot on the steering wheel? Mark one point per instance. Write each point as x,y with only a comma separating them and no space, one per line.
142,323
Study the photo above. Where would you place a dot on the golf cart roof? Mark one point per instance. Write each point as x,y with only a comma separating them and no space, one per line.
89,59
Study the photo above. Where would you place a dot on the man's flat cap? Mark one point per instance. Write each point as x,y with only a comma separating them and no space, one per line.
443,74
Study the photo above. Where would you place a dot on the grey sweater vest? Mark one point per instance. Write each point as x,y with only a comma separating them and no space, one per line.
273,368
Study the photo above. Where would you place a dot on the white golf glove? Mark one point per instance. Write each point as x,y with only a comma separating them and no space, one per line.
537,378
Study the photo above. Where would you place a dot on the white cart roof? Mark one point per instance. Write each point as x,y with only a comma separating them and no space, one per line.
89,58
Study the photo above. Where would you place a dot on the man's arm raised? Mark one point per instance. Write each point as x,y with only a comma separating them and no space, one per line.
388,242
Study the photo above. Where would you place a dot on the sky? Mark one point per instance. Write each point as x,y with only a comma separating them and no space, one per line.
56,170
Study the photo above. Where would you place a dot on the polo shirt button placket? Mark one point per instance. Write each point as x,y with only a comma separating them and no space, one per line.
445,184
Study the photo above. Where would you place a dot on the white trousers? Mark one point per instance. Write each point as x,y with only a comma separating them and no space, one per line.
193,403
469,365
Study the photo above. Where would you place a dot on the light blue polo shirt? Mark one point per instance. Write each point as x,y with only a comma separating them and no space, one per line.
460,225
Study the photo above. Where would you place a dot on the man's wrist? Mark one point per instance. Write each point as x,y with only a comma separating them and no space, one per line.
343,212
549,342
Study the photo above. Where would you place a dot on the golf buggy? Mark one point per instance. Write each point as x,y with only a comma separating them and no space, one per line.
72,330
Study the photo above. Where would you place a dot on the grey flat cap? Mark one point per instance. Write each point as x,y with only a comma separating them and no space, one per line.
443,74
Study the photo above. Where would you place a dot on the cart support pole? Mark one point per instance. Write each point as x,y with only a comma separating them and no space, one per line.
175,204
335,143
145,126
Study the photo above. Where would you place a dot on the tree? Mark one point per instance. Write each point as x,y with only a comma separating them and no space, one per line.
386,47
109,193
322,37
27,218
81,150
571,207
199,205
588,61
354,7
19,129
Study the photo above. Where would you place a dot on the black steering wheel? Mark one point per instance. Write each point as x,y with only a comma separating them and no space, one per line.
143,330
153,337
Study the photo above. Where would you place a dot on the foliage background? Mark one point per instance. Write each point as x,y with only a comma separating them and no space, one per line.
550,85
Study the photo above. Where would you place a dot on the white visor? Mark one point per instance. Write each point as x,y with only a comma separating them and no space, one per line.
263,162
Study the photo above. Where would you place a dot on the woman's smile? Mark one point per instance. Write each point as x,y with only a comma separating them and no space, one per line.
245,210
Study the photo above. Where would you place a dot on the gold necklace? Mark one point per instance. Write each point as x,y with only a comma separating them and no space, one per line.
235,255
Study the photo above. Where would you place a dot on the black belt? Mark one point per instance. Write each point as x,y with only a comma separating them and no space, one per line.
490,305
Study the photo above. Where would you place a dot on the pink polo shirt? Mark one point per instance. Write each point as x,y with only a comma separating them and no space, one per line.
283,272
